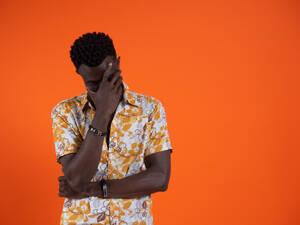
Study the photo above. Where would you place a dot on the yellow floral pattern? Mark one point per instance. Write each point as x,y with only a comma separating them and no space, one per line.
138,129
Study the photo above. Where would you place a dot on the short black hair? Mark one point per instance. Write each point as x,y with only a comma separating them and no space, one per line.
91,49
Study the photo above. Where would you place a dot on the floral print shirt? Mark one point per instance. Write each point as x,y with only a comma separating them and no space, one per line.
138,129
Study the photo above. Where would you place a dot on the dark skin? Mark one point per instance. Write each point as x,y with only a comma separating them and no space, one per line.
105,92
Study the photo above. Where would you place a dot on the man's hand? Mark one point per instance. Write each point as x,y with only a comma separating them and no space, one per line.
65,189
109,92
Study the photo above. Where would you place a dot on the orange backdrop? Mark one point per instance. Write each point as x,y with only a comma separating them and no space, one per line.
226,72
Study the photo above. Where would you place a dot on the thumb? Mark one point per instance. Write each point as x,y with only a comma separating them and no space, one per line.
90,91
91,94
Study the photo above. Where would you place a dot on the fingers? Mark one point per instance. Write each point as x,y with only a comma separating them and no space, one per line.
118,83
61,195
117,74
89,90
108,71
61,178
116,77
119,88
61,187
64,188
91,93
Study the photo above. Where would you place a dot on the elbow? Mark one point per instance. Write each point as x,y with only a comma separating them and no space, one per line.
163,182
163,188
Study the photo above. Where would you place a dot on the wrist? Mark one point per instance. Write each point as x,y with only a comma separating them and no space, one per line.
102,114
95,190
100,122
104,188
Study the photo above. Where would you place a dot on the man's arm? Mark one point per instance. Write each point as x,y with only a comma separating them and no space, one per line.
155,178
79,168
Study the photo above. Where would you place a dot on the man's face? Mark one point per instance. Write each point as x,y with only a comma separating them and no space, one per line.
92,76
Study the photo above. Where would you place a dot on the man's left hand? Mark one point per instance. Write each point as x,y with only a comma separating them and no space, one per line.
65,190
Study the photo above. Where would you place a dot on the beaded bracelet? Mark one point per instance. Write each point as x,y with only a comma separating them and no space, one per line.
96,131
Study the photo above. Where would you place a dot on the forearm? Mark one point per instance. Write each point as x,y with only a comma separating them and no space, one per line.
85,162
92,189
137,185
133,186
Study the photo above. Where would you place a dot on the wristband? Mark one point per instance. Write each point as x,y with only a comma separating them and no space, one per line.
96,131
104,187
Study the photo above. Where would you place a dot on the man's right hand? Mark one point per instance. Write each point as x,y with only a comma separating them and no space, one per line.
109,92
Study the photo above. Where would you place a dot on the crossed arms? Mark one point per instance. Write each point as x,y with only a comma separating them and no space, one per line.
154,179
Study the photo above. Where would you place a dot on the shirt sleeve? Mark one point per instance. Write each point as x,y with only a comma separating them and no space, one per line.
157,134
66,139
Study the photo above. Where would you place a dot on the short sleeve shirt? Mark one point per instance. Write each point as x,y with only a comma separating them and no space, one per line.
138,129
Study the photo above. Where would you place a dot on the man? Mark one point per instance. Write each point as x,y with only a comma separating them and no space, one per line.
113,143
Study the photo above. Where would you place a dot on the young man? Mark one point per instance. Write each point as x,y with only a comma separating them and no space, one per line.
113,143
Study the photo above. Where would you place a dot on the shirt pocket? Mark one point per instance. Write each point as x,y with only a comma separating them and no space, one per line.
128,140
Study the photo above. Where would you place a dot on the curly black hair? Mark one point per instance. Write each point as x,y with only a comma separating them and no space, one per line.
91,49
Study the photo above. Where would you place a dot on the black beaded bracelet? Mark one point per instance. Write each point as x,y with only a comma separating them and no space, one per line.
97,132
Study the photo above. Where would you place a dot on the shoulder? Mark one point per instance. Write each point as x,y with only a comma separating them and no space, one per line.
148,103
67,106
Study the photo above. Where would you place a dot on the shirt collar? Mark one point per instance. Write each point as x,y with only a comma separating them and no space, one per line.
127,98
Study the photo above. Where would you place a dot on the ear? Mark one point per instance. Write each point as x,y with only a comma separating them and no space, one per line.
79,69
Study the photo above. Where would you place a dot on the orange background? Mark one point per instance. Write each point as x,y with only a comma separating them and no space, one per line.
225,71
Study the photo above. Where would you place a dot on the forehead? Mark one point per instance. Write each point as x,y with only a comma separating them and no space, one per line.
89,70
85,70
